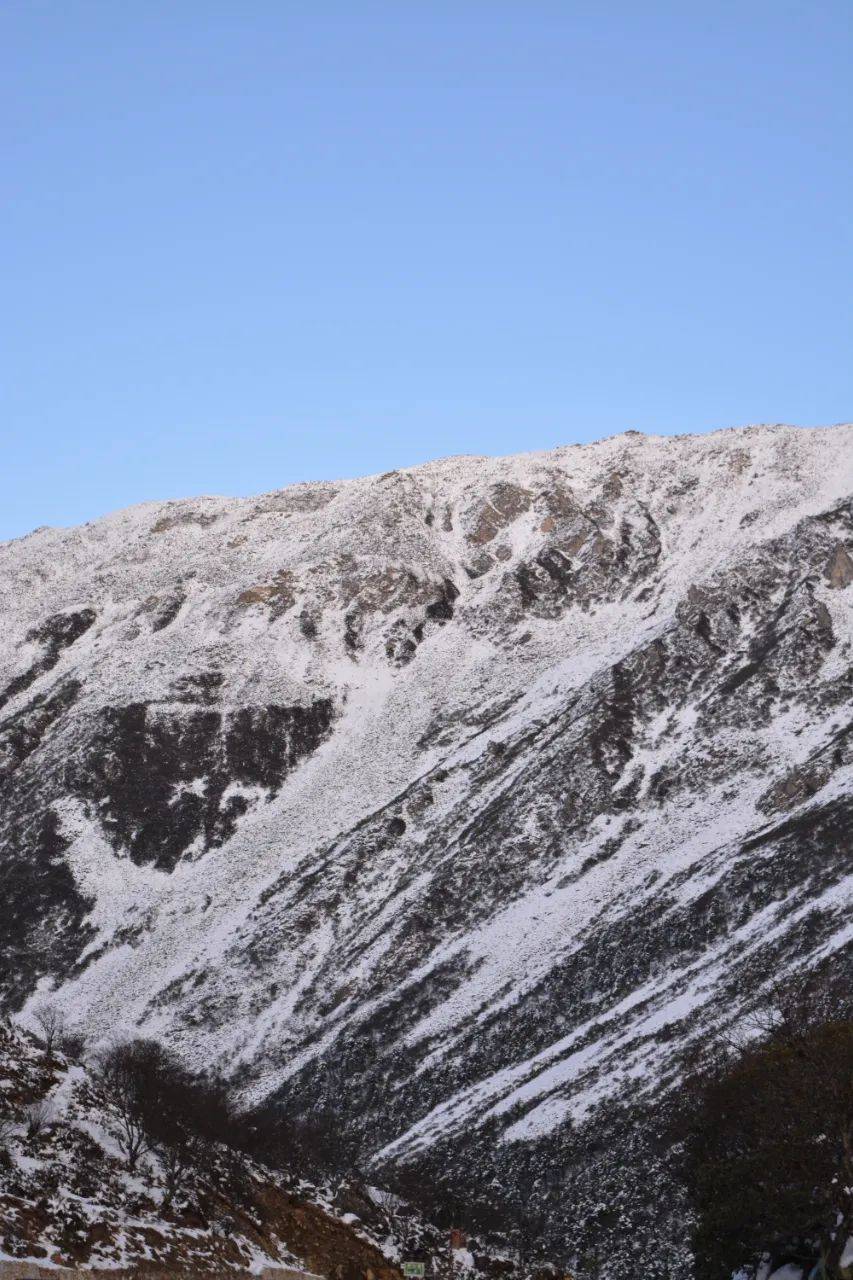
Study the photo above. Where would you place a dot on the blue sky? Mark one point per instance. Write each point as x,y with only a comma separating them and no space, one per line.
254,242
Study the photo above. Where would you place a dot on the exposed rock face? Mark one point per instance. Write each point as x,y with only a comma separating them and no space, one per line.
51,636
169,783
840,568
461,801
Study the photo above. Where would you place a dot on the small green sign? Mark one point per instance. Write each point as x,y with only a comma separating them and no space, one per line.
413,1269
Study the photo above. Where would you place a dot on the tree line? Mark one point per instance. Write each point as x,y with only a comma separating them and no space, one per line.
767,1131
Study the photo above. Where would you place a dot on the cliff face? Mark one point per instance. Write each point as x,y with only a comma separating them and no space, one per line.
459,802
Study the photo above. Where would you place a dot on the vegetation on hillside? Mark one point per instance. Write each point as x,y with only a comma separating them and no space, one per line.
769,1142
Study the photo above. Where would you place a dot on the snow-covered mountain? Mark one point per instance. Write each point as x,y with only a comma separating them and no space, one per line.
458,802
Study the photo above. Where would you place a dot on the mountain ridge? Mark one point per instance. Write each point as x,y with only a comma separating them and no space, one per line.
152,503
460,803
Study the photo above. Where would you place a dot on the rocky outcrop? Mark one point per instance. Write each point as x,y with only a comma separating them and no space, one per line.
51,638
162,784
839,570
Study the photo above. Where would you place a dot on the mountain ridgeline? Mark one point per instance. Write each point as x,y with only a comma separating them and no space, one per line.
455,809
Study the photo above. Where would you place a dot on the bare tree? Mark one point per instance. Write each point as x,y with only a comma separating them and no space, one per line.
126,1073
51,1024
179,1157
160,1106
193,1117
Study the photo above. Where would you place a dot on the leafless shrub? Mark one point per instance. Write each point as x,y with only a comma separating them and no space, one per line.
392,1208
38,1117
73,1044
7,1128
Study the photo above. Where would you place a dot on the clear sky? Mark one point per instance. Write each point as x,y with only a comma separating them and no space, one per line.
248,242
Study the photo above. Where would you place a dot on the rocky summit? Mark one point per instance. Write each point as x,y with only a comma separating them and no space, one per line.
458,806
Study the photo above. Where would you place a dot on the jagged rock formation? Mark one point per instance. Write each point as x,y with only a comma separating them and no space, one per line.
460,801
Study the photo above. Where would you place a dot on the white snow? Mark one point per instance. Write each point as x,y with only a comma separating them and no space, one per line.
337,542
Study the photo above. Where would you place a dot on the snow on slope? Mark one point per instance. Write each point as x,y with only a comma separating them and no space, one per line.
470,781
69,1200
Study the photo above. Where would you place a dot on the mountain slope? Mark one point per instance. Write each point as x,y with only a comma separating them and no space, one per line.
69,1199
457,802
